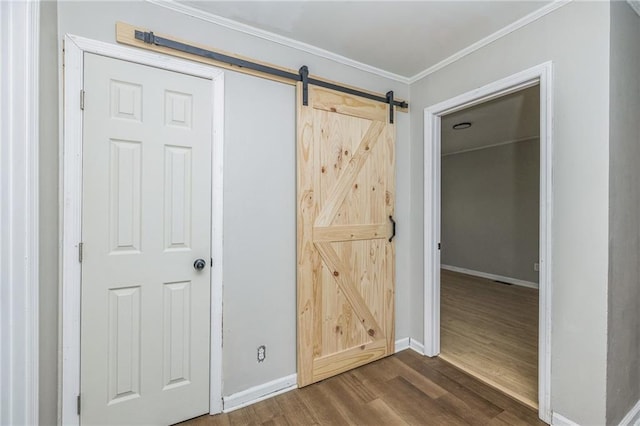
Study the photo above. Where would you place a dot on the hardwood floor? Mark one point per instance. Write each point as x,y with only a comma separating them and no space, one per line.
405,388
490,330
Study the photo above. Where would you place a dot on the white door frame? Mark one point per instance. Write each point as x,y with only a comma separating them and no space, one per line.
19,212
542,75
71,220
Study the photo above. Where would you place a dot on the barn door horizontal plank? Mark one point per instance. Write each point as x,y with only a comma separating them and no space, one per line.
342,103
337,233
333,364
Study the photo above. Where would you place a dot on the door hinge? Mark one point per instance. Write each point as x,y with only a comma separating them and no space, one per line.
80,247
82,100
78,404
212,262
439,246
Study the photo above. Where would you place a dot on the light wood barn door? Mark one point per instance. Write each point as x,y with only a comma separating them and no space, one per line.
346,193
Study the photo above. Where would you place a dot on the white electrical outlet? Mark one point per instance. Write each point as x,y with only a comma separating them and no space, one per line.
536,266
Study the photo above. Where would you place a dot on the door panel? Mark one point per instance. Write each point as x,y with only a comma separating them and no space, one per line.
346,193
146,219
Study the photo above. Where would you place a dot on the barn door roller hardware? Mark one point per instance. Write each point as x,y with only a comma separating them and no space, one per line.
306,80
303,75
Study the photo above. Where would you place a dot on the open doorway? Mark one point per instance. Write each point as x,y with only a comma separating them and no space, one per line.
539,76
490,177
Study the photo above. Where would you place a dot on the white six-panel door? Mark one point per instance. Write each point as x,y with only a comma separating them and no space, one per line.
146,219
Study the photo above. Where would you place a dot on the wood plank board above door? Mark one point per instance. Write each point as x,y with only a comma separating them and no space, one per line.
346,196
125,34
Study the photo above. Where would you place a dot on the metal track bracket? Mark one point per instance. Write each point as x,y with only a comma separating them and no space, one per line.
304,77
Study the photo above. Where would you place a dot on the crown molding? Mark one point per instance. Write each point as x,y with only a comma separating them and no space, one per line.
635,5
493,145
275,38
514,26
317,51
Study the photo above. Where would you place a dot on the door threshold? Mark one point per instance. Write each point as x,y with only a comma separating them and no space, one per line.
487,380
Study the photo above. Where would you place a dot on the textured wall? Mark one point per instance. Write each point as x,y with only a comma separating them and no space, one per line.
623,355
576,38
490,210
259,188
48,174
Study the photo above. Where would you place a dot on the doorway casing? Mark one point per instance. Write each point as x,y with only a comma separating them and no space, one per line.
539,75
71,210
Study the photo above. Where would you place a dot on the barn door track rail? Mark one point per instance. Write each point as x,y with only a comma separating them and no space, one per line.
149,38
306,80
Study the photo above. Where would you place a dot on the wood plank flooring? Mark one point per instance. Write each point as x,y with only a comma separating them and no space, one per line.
490,330
405,388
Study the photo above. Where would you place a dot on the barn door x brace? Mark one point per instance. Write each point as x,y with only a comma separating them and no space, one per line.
303,74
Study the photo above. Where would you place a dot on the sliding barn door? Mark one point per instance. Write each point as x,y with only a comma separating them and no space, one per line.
346,192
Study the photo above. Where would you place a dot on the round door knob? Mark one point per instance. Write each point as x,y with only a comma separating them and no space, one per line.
199,264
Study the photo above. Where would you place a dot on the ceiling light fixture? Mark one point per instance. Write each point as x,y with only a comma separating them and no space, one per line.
461,126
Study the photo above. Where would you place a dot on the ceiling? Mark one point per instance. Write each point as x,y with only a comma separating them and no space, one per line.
509,118
404,38
401,37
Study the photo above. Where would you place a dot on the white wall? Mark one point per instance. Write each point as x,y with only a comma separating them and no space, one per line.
259,236
623,357
49,283
259,247
490,202
576,38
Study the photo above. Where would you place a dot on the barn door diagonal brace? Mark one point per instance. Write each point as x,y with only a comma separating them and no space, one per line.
149,37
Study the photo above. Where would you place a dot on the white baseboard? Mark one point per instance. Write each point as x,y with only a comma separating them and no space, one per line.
409,343
416,346
259,393
514,281
560,420
402,344
284,384
633,416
